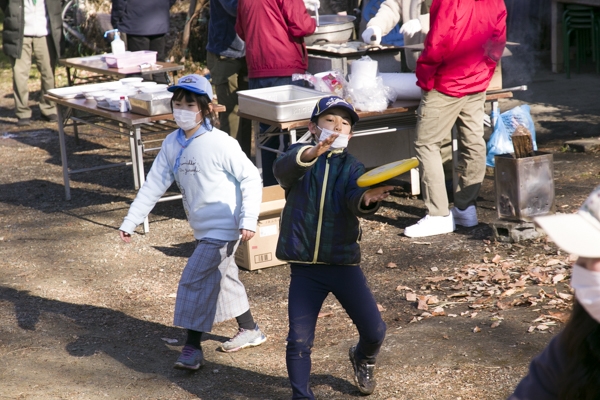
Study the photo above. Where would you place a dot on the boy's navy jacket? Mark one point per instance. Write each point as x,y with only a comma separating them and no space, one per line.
141,17
319,223
221,25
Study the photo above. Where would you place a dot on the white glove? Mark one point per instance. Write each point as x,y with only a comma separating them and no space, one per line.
411,27
372,35
312,5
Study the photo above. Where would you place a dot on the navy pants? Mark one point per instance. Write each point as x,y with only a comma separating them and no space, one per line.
309,287
268,157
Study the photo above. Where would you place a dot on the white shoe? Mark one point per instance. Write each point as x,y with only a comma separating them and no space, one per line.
429,226
466,217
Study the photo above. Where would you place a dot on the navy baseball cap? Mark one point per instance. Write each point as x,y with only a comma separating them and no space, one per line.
194,83
330,102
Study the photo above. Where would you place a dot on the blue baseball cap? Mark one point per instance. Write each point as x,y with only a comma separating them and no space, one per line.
195,84
329,102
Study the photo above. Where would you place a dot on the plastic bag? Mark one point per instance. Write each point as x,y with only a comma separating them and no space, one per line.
327,82
500,142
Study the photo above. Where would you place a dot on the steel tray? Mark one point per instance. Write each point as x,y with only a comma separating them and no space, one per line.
151,103
279,103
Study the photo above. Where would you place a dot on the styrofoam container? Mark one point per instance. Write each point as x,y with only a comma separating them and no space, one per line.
279,103
154,88
131,81
130,59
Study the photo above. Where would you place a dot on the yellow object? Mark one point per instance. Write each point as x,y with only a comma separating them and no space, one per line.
387,171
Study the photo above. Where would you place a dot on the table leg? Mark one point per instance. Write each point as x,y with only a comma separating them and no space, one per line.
63,153
69,78
257,150
137,157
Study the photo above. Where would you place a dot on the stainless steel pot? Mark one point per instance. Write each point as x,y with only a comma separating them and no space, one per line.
332,29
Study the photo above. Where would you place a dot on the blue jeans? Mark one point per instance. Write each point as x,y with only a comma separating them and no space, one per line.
309,287
268,157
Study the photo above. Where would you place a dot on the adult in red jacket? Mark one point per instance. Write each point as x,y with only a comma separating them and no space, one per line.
274,33
462,48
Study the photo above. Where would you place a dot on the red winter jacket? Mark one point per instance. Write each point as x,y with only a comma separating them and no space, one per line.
463,46
274,33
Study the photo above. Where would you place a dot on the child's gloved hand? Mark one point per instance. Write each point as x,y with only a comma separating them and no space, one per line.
372,35
411,27
376,194
312,5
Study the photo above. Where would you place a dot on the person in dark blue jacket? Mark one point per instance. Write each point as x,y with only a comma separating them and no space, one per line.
226,60
145,22
319,236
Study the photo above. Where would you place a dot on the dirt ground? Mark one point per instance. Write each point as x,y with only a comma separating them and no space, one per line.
86,316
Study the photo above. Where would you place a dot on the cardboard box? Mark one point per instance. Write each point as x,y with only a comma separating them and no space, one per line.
259,252
496,82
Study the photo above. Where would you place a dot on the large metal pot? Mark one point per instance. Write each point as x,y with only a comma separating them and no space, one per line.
332,29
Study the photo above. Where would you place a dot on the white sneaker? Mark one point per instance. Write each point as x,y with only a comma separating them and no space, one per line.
466,217
429,226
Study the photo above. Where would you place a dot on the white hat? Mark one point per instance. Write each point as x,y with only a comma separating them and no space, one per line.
577,233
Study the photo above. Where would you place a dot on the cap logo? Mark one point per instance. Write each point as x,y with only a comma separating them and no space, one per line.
335,100
187,79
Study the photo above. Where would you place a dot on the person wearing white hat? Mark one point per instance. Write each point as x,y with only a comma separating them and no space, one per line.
569,367
221,193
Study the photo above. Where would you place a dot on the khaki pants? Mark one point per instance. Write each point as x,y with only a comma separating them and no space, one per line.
36,49
228,76
437,114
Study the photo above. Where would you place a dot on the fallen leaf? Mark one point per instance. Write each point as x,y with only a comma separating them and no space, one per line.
495,324
424,243
401,287
330,313
558,278
541,327
531,329
415,319
452,315
436,279
502,306
473,315
476,329
565,296
496,259
411,297
438,312
169,340
432,300
422,303
552,262
391,265
380,307
445,337
461,294
434,269
426,315
380,251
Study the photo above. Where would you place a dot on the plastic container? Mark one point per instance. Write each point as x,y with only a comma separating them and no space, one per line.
117,45
131,81
130,59
279,103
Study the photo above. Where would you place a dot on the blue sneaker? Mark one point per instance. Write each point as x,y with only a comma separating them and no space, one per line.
244,338
190,359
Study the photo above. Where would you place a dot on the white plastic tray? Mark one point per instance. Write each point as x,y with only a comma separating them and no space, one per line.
70,92
280,103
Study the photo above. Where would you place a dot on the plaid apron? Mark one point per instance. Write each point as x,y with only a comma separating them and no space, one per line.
209,289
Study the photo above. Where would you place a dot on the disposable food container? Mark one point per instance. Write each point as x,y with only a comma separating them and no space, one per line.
279,103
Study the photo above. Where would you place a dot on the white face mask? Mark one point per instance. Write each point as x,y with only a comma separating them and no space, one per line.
339,143
587,289
185,119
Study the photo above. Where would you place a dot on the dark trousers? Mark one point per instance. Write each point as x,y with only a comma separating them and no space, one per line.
310,285
155,43
268,157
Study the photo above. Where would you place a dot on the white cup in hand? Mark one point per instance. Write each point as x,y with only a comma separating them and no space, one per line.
372,35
